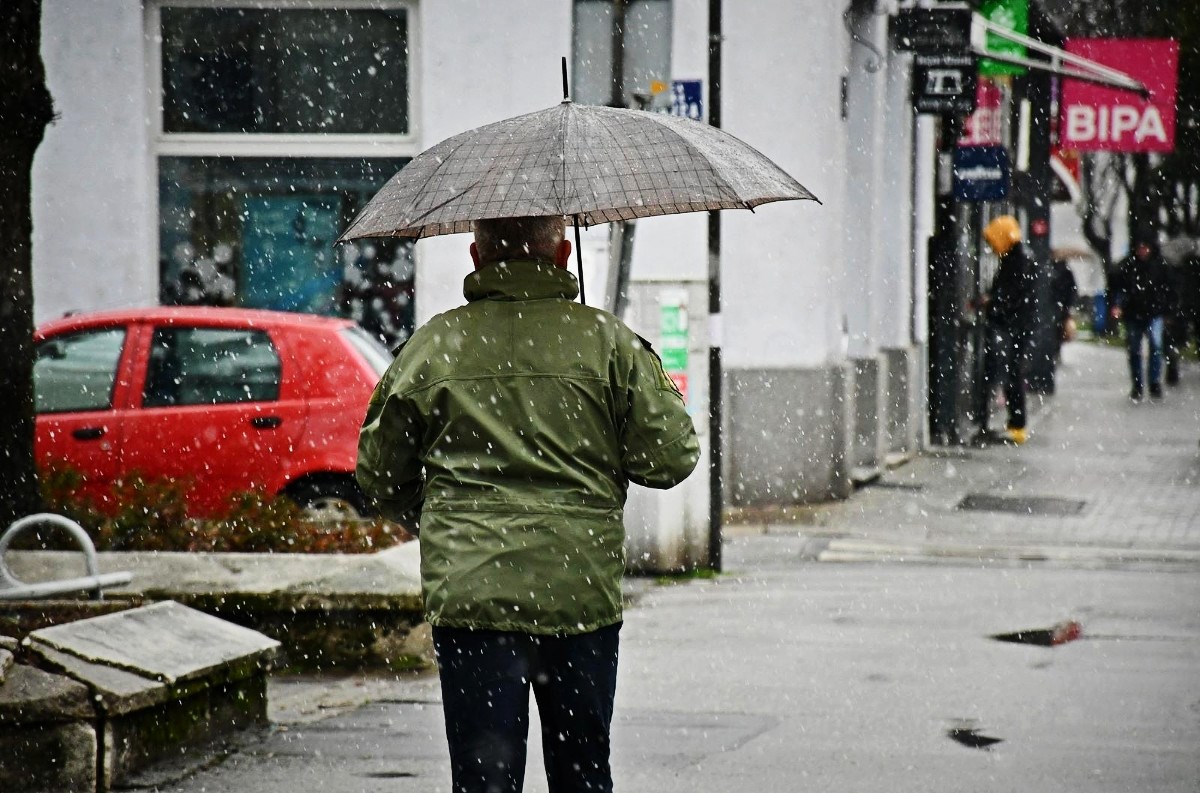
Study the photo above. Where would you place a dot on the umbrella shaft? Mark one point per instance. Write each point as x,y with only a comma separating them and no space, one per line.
579,262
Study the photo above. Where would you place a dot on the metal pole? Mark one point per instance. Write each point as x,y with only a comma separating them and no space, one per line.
716,495
1037,185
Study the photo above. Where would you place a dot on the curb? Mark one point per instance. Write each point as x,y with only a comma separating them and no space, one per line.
848,550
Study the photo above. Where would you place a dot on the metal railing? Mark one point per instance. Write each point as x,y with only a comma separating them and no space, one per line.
12,588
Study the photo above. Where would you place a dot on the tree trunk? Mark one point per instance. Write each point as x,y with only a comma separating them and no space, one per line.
25,110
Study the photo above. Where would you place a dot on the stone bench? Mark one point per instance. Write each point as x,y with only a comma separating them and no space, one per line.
126,689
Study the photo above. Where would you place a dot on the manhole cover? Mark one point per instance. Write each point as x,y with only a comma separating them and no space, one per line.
1022,505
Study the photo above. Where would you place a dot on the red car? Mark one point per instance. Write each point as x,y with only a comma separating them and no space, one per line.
225,400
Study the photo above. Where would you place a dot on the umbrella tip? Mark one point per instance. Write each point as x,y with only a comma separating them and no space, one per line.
566,87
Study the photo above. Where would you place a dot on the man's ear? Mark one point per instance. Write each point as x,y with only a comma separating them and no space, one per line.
562,254
475,256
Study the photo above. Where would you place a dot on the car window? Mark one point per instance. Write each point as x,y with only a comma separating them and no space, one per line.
77,371
369,348
210,366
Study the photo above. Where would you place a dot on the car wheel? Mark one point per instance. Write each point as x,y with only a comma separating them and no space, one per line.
330,500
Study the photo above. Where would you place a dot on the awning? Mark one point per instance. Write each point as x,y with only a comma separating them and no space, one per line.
1058,61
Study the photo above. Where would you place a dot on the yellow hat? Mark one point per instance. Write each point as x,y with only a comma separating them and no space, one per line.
1002,234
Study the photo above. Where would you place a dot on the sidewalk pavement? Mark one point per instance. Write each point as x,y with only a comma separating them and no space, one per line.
1101,482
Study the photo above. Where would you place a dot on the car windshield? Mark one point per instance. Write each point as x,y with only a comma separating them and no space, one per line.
369,348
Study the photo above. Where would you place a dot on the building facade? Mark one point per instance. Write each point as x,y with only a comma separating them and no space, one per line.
212,150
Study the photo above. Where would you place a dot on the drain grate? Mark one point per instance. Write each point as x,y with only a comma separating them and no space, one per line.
1022,505
884,484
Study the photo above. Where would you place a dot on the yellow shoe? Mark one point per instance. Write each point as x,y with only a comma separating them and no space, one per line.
1017,435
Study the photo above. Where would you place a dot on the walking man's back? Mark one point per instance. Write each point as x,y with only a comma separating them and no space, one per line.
515,423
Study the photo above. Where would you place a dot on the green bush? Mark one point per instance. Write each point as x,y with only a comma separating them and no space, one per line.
151,514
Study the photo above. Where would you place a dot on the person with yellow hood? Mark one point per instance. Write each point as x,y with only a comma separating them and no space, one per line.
1010,318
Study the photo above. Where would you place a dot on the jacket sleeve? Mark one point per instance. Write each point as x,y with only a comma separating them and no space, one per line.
389,466
659,447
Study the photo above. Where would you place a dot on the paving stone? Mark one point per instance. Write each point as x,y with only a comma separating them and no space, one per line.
164,641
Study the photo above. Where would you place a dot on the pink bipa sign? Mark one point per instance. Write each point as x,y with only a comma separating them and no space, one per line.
1099,118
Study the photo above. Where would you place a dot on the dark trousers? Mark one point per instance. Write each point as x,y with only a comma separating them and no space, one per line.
1152,331
486,676
1007,353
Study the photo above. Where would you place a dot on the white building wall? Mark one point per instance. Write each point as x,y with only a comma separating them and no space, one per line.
893,323
783,303
864,267
93,184
480,61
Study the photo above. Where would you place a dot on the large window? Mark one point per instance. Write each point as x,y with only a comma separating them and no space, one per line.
279,120
257,70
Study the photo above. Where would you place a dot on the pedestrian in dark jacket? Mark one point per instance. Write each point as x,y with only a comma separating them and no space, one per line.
1180,320
1009,307
1143,297
516,423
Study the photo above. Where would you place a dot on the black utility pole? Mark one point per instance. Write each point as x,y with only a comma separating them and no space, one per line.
945,297
716,495
1036,185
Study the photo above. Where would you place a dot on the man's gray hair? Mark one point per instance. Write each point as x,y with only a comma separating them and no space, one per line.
502,239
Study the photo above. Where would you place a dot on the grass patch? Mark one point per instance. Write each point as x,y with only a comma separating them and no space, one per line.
684,576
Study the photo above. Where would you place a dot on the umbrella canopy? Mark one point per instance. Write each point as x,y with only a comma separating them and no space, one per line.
595,164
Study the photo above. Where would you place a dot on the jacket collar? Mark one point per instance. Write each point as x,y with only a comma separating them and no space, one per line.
520,279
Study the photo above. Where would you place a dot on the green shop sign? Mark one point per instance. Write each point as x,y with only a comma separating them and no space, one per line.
673,338
1011,14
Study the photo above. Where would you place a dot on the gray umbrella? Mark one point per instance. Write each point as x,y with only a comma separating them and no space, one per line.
593,164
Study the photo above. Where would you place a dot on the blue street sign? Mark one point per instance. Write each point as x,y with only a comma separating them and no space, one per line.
981,173
686,99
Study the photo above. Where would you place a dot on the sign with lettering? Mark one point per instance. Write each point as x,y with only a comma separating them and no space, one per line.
944,83
933,30
980,173
1100,118
985,125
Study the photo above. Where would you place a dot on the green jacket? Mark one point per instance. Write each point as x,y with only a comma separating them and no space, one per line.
515,422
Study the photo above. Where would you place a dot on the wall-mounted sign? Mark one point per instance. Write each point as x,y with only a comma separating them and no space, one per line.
1010,14
981,173
933,30
1099,118
985,125
673,342
944,83
686,99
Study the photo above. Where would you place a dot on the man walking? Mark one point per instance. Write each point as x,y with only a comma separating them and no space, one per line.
515,423
1142,298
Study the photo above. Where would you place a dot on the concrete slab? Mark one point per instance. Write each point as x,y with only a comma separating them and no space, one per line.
31,696
116,690
165,641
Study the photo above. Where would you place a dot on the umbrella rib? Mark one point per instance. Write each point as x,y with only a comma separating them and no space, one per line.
562,130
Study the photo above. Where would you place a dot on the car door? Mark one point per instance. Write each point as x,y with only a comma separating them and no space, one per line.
80,386
213,413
